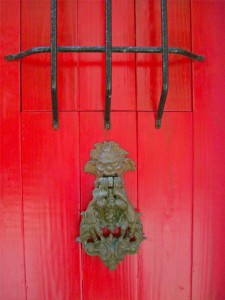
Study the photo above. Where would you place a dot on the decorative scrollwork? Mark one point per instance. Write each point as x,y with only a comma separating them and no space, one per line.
110,227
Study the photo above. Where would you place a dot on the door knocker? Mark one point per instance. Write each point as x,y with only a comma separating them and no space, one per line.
110,227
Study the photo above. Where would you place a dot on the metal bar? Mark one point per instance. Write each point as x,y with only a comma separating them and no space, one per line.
54,63
117,49
108,49
165,71
108,53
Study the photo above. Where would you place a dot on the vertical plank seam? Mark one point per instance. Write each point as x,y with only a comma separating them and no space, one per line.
137,155
77,105
20,61
78,67
193,164
192,210
22,207
79,132
21,156
80,245
191,44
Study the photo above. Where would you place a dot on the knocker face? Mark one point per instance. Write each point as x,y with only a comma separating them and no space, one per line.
109,168
108,159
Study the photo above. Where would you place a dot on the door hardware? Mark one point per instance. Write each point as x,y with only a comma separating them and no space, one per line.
110,227
108,49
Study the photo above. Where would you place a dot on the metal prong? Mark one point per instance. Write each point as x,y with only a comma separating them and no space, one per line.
158,124
165,71
108,53
54,63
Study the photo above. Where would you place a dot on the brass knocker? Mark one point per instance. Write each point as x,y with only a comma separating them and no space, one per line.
110,227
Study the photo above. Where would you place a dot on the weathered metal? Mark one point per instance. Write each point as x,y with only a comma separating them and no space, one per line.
101,49
108,49
110,227
54,63
108,55
165,69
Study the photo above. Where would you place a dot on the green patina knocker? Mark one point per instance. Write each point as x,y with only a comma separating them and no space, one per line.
110,227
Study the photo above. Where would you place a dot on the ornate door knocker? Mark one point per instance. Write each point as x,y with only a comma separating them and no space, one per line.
110,227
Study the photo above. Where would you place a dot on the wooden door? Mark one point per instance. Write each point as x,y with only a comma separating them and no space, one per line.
178,183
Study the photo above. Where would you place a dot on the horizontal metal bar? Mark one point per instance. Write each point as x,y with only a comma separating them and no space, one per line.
117,49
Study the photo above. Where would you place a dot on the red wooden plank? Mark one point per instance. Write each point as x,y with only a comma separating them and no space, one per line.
91,31
123,72
12,275
209,123
51,189
165,200
148,33
98,281
36,69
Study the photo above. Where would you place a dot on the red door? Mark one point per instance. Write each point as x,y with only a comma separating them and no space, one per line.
178,183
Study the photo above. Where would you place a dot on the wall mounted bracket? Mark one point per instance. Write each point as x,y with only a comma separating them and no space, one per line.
108,49
110,227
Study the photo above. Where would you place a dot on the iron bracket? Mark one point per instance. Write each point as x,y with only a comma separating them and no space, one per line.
108,49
